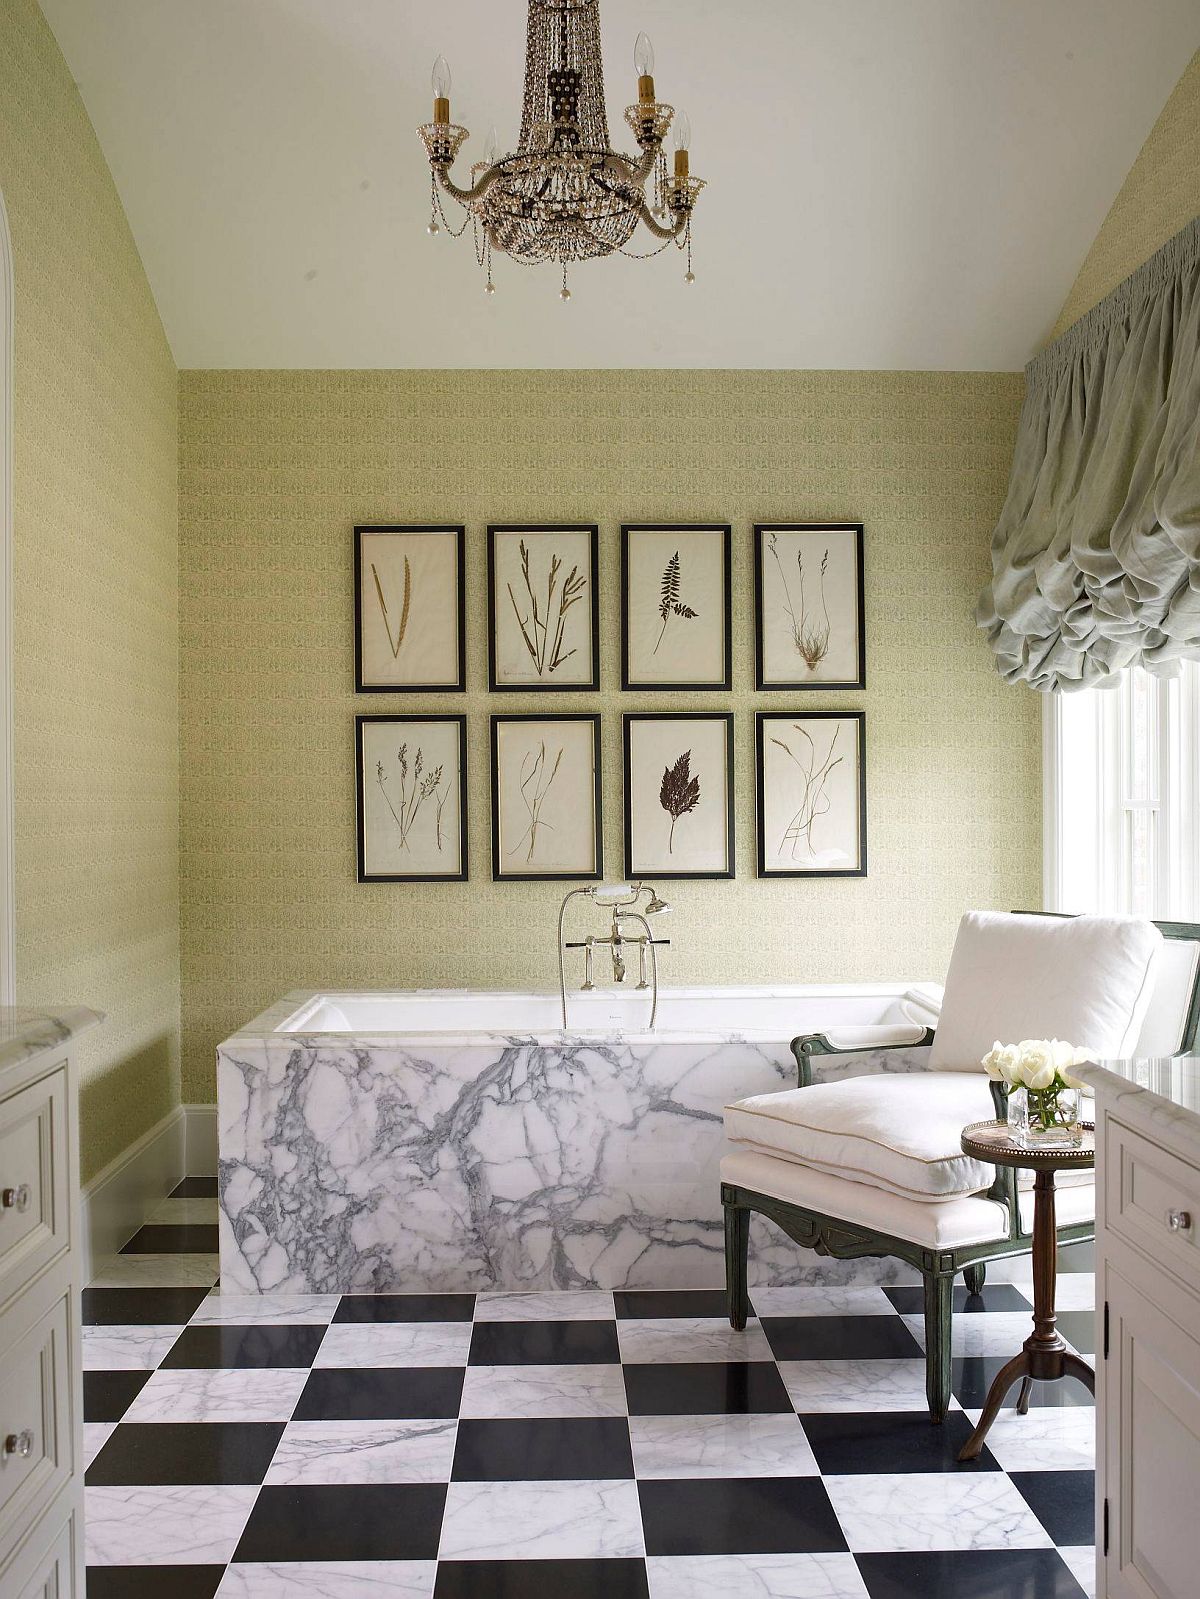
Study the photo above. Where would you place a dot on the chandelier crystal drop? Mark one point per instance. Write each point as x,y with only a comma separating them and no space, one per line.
565,195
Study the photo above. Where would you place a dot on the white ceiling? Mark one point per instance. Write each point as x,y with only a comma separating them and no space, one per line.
892,183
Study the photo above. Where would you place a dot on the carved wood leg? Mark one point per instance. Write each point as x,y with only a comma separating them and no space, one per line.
938,1302
737,1264
1023,1398
1074,1367
1018,1366
975,1276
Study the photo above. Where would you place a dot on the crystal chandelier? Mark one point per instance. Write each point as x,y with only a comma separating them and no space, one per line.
565,195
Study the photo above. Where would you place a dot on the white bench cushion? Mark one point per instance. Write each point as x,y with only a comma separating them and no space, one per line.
899,1133
1086,979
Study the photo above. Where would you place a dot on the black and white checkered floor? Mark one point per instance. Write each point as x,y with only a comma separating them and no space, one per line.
562,1446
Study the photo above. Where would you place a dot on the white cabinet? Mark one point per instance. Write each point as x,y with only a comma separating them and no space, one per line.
41,1398
1148,1370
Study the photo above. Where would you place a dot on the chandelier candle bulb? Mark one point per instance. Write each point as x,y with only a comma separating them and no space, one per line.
440,80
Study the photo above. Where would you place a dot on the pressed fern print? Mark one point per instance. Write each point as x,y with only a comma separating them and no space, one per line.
669,602
679,793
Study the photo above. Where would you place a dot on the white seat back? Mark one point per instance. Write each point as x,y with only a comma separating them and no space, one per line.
1164,1029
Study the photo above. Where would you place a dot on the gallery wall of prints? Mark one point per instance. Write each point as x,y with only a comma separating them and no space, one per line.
414,805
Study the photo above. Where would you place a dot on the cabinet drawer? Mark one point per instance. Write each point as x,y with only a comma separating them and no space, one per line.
35,1423
34,1200
47,1564
1152,1200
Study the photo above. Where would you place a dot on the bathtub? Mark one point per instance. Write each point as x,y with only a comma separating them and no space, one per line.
448,1140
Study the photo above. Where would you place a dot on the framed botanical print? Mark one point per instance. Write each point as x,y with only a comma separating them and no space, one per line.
546,813
811,794
412,798
679,794
543,608
808,603
409,612
675,605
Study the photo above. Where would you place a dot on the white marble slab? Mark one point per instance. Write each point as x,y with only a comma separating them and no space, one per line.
95,1435
934,1510
247,1310
219,1394
796,1576
1049,1438
542,1521
157,1271
720,1446
809,1300
330,1579
136,1348
395,1343
568,1304
517,1391
689,1339
361,1452
986,1333
1082,1565
855,1385
180,1525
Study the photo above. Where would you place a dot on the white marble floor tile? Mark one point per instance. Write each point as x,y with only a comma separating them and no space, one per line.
362,1451
934,1510
395,1343
541,1521
189,1212
814,1576
582,1304
157,1271
990,1333
1049,1438
95,1435
855,1385
518,1391
1073,1290
220,1394
689,1339
1082,1563
816,1301
720,1446
136,1348
185,1525
330,1579
247,1310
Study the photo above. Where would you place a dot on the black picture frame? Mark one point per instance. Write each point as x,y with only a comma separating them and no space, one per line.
761,720
459,532
725,683
593,531
811,685
499,874
400,719
656,872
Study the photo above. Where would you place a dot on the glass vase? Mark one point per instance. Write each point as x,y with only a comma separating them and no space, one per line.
1045,1118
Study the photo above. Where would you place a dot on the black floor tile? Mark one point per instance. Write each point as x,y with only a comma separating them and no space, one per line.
256,1345
195,1188
969,1574
1078,1327
380,1394
186,1452
537,1450
194,1238
544,1343
995,1296
706,1389
972,1376
1063,1501
634,1304
153,1582
840,1338
123,1307
541,1579
406,1307
891,1441
741,1515
107,1395
390,1521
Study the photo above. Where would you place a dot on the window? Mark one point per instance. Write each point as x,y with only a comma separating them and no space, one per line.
1123,797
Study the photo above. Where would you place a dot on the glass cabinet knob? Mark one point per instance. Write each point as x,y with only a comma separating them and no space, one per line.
16,1198
19,1443
1179,1221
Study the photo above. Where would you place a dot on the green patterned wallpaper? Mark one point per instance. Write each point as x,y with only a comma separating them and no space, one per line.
95,602
275,468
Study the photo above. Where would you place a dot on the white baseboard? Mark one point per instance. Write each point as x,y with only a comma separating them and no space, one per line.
119,1199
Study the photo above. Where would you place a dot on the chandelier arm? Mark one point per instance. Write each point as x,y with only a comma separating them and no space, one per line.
477,189
656,227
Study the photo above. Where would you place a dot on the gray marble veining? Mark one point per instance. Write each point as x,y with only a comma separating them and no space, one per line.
25,1031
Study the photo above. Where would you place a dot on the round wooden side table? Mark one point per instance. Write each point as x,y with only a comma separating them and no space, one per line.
1044,1355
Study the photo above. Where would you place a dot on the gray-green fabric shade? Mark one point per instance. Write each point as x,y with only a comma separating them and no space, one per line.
1096,557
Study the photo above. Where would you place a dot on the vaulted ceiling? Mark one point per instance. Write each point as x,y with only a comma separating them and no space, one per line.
892,183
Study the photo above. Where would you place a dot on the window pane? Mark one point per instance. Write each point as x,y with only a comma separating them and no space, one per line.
1142,835
1141,773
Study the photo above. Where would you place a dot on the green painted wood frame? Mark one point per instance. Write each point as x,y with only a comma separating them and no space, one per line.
846,1240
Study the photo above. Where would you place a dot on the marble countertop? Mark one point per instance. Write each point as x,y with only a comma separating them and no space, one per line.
1167,1088
26,1030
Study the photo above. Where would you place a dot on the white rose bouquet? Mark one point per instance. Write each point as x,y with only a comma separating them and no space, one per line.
1041,1067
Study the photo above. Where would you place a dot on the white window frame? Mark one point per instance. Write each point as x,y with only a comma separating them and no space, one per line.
7,867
